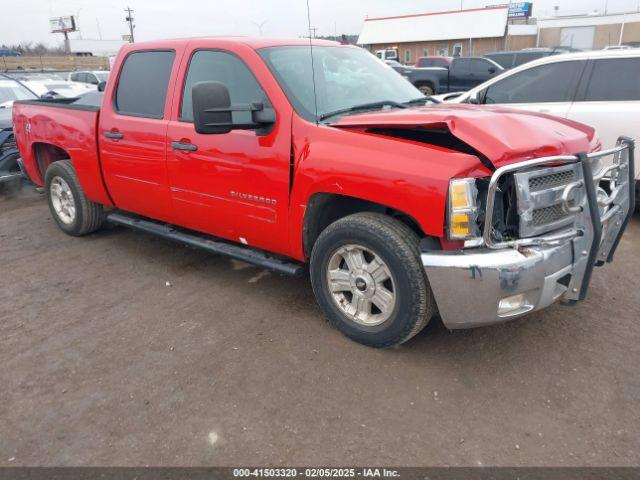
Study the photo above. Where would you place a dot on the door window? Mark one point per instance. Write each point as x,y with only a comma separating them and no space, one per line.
407,56
478,65
142,85
554,82
217,66
614,80
460,66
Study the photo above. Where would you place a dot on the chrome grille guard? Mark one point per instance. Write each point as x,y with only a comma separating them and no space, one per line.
595,219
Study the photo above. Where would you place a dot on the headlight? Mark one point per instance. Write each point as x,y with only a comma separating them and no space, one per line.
463,209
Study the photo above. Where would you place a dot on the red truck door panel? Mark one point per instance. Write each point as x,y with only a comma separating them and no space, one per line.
235,185
132,134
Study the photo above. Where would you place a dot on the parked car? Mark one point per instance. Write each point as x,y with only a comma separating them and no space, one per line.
463,73
599,88
434,61
511,59
245,148
94,77
44,84
5,52
389,54
10,91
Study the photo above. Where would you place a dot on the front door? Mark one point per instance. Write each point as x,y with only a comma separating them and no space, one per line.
233,185
548,88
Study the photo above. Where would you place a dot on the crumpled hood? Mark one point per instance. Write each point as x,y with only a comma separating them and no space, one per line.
503,135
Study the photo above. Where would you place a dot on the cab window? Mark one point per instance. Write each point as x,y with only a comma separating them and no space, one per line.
218,66
142,84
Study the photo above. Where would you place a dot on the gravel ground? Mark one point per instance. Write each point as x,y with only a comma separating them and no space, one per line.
123,349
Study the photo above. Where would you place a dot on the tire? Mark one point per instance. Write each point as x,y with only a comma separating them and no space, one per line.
426,89
385,241
87,216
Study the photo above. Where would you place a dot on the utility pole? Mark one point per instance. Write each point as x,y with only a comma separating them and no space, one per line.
129,19
260,25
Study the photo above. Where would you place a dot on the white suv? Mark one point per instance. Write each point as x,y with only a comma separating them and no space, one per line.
600,88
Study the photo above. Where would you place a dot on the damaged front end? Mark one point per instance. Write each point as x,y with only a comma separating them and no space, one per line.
544,224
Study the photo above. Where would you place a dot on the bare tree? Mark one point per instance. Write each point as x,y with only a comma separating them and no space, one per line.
36,49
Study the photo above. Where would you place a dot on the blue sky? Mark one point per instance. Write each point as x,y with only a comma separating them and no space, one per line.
27,20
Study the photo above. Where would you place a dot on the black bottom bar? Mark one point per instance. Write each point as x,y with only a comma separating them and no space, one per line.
211,244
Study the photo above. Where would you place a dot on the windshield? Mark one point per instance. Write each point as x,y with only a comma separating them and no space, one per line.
345,77
11,91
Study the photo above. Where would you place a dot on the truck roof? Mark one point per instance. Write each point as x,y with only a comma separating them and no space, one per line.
252,42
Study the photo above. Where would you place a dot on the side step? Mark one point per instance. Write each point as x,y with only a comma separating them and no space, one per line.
211,244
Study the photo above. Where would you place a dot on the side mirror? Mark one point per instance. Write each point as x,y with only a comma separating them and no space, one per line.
212,111
474,98
492,70
102,86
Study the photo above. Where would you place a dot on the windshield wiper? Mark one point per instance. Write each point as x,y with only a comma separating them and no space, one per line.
425,99
364,106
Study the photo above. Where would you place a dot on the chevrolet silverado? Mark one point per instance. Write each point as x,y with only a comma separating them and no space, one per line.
285,153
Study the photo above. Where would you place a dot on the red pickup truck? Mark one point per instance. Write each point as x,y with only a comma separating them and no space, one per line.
285,154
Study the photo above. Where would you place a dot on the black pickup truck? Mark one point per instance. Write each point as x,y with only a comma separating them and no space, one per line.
463,74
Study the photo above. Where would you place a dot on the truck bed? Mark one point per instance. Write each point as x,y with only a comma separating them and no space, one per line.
48,130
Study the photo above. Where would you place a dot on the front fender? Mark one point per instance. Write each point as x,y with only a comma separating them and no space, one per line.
408,176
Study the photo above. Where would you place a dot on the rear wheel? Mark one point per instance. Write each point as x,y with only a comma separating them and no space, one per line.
71,210
368,279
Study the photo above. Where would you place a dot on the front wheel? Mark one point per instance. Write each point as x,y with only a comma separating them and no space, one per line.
71,210
369,281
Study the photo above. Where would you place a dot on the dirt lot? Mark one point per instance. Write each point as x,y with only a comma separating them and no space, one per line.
104,363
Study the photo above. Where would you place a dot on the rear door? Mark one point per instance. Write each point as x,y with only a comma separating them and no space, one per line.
233,185
548,88
132,133
610,99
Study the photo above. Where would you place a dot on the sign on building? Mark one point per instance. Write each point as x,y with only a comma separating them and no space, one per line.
518,9
63,24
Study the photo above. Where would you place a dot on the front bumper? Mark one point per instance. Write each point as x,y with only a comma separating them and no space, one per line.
470,285
500,282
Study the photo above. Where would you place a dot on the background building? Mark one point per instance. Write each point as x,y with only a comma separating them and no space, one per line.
471,32
590,31
476,32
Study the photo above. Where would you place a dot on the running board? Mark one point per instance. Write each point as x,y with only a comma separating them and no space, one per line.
211,244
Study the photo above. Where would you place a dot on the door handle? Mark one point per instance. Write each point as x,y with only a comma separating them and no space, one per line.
189,147
114,135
